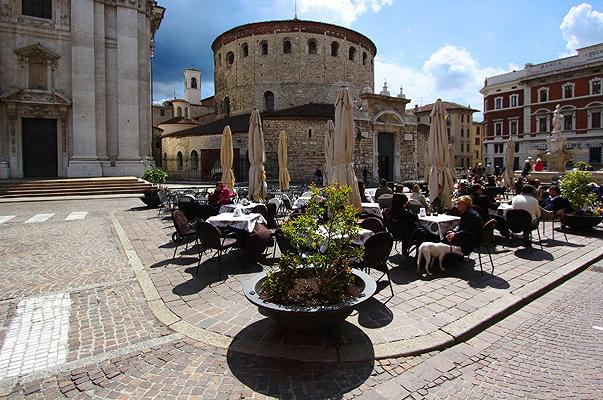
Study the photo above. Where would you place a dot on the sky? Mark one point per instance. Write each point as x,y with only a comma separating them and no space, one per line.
433,48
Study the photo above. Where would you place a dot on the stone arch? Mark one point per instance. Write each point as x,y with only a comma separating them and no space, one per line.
268,101
388,117
334,48
312,46
193,83
352,53
186,112
229,58
194,160
245,49
364,57
287,46
264,48
179,111
180,160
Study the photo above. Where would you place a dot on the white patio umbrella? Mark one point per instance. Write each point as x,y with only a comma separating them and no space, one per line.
283,172
329,134
226,156
509,175
255,142
440,177
343,149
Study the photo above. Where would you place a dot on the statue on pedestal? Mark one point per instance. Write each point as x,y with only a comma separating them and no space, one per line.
557,155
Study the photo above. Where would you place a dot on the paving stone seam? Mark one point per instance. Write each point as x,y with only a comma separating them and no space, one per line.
437,340
9,383
86,288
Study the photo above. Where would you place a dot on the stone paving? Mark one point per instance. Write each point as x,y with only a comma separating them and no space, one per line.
441,308
117,349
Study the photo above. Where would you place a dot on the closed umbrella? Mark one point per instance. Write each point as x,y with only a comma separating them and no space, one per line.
283,172
257,174
226,156
427,162
329,134
440,176
343,146
508,175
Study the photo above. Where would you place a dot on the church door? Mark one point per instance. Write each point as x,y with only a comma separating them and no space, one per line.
39,147
386,156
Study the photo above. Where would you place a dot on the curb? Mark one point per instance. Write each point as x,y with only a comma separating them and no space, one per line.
447,336
62,198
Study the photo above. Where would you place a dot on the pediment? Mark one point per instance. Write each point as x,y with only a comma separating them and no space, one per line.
37,51
35,97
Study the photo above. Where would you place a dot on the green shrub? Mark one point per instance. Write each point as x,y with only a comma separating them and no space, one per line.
574,187
155,175
319,272
582,166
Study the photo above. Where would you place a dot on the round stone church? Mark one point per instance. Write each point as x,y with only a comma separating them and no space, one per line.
290,71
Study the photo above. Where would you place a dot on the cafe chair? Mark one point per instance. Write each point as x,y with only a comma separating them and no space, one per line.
520,221
385,201
414,207
212,239
373,224
486,238
185,232
165,202
377,249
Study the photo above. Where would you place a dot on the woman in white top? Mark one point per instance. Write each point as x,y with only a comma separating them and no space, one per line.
418,197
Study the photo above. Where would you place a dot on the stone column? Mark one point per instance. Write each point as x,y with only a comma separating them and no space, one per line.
127,85
144,88
100,80
111,123
84,161
4,140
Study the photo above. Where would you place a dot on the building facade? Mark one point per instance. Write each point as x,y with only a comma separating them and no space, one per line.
75,97
477,143
459,123
291,71
520,105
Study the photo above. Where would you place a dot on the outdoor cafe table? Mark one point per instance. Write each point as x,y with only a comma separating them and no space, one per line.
502,209
363,235
244,222
439,224
372,209
228,208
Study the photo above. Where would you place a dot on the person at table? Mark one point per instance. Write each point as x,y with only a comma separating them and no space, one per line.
417,197
556,203
383,189
221,195
363,197
470,222
527,201
400,221
483,205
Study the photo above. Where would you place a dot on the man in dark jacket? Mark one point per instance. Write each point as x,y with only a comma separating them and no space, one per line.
470,222
555,202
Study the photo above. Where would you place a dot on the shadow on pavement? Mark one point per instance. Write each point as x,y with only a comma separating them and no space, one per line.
534,254
373,314
291,379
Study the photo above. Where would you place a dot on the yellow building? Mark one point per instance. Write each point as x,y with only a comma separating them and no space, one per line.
477,143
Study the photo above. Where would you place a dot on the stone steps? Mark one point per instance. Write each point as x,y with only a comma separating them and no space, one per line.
72,187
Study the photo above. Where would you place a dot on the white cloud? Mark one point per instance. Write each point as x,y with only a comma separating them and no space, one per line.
582,26
450,73
339,11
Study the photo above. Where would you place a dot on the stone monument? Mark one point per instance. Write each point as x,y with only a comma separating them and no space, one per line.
557,155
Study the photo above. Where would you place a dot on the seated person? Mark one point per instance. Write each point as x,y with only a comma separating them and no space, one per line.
363,197
482,205
383,189
470,222
221,195
418,197
555,203
400,222
526,201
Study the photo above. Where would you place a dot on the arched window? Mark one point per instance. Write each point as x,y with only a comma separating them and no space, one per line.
268,101
364,58
164,161
312,46
352,53
194,160
193,83
180,161
186,112
227,105
334,48
286,47
264,48
229,58
179,112
245,49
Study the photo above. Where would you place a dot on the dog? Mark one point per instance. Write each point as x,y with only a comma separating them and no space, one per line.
431,251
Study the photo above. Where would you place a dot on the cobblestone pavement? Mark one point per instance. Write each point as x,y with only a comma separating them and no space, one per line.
551,349
116,348
422,306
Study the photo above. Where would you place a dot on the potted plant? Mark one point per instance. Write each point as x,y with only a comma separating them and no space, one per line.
314,286
575,188
157,177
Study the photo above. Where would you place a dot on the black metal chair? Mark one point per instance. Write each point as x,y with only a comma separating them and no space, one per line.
385,201
377,249
486,238
212,239
520,221
185,232
373,224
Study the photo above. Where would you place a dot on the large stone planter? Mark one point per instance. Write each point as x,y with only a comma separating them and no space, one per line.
151,199
308,319
580,222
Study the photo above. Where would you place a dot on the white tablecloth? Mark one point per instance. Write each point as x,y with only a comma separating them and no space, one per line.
300,202
244,222
502,209
228,208
439,224
363,235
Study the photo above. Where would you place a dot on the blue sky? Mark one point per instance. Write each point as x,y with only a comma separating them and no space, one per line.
433,48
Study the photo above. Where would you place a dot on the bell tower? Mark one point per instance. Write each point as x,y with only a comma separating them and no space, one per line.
192,86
